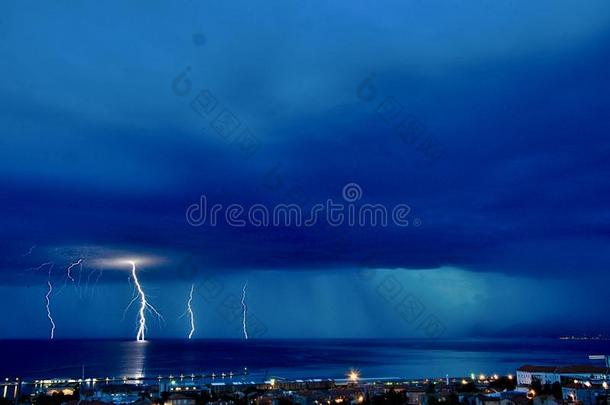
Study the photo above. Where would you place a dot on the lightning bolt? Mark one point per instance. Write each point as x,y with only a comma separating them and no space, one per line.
71,266
49,308
144,305
189,309
79,264
245,310
40,267
29,252
47,298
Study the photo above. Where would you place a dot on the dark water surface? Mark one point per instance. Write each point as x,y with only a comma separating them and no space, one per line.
409,358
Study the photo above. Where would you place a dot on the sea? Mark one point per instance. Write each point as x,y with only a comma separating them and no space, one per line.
290,359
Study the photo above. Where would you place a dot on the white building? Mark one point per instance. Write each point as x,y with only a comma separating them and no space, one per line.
545,374
550,374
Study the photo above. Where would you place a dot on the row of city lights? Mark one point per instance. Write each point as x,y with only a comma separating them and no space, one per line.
482,377
353,376
109,379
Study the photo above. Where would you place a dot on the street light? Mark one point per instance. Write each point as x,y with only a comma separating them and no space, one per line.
353,375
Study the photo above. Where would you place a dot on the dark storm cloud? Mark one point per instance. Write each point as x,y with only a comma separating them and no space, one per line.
100,152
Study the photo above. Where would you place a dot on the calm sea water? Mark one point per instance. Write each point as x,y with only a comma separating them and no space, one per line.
286,358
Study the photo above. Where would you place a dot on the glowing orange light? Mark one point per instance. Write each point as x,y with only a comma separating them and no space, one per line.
353,375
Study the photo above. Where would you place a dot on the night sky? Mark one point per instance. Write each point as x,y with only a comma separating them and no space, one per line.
490,119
